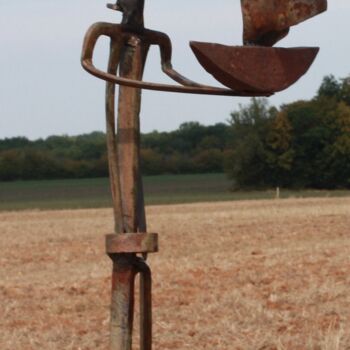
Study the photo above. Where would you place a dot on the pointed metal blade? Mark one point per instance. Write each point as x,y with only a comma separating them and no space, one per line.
268,21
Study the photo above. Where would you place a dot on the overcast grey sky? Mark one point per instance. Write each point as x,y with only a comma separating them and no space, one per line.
44,91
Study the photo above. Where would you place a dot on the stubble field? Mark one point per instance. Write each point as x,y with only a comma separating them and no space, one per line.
250,275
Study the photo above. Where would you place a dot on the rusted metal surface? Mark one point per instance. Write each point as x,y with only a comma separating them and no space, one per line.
112,152
125,269
257,69
132,243
267,21
214,91
122,302
145,306
133,56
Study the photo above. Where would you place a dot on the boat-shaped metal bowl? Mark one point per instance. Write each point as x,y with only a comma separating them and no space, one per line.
254,68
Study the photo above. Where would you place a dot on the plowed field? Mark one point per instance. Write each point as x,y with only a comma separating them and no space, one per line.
249,275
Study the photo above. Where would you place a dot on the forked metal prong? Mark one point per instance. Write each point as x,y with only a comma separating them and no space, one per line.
145,305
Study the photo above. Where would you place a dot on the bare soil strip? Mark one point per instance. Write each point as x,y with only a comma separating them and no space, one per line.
255,275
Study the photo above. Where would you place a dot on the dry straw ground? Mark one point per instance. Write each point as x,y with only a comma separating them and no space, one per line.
245,275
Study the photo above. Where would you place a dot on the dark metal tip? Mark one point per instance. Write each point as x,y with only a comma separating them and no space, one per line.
114,7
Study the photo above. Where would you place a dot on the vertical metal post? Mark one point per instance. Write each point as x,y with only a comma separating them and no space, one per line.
126,183
133,56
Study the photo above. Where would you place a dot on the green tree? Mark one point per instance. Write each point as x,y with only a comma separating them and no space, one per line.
309,137
336,165
208,161
247,163
330,87
279,152
151,162
10,165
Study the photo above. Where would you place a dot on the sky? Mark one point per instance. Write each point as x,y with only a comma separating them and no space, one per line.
44,91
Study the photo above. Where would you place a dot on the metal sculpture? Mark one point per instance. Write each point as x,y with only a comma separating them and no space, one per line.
255,69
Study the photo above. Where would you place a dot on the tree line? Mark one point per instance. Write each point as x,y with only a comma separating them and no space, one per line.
305,144
193,148
301,144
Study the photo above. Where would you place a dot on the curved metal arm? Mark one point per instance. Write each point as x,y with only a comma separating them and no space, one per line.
92,35
163,41
115,32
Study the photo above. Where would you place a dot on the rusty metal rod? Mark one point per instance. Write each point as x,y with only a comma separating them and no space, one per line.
216,91
145,305
114,170
122,303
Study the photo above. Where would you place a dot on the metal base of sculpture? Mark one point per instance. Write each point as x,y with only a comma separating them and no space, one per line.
122,249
